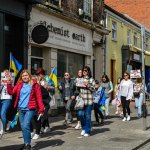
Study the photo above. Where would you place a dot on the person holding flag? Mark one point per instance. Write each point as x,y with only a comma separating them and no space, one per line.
28,99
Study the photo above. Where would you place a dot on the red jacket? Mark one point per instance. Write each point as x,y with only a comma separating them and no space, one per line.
35,100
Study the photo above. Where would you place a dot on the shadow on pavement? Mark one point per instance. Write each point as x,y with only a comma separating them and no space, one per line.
51,134
39,145
100,130
49,143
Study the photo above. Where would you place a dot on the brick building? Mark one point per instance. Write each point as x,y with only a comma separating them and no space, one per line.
67,35
137,9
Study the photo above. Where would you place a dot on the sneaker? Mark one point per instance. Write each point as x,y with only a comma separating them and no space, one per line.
83,132
78,126
32,134
128,118
47,129
86,135
36,136
124,119
102,121
8,126
116,112
65,122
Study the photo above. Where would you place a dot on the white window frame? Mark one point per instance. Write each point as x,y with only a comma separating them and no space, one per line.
114,30
146,44
87,7
128,37
135,39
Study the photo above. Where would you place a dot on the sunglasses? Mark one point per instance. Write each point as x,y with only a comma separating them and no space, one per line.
125,75
66,74
85,70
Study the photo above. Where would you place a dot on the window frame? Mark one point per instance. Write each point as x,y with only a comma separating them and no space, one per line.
87,8
135,37
114,30
129,40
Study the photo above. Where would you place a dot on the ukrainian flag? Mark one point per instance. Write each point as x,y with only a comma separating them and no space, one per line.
53,77
15,120
14,64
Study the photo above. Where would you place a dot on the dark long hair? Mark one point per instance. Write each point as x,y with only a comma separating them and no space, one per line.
89,71
105,76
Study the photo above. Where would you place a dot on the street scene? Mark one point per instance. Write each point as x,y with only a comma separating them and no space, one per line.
74,74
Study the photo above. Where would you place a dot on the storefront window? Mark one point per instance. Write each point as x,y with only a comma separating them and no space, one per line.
70,62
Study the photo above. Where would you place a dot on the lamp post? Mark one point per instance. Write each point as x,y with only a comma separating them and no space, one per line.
143,77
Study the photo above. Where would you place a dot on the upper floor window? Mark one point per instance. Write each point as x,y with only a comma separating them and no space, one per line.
135,39
114,30
53,2
146,44
129,37
87,7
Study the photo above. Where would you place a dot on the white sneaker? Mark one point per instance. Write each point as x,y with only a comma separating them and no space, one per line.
32,134
116,112
1,132
35,137
78,126
86,135
124,119
47,129
8,126
128,118
83,132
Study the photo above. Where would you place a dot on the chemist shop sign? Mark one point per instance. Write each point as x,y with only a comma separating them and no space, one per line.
59,32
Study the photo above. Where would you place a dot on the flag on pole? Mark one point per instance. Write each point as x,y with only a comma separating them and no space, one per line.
14,64
53,77
15,120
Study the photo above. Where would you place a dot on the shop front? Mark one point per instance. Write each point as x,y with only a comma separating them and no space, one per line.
64,45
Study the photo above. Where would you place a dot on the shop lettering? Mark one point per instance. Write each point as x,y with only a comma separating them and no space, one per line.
63,32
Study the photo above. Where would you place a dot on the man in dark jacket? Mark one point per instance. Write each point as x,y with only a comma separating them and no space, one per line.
66,88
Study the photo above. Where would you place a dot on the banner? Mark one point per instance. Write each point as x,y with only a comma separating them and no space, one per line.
135,74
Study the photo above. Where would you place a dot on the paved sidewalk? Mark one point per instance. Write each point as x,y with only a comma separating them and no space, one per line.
114,135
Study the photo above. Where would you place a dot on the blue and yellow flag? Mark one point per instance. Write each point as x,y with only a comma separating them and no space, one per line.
53,77
14,64
15,120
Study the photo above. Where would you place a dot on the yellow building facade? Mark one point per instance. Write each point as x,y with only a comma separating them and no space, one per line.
123,45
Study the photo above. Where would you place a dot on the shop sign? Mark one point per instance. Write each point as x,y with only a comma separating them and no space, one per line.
61,33
135,74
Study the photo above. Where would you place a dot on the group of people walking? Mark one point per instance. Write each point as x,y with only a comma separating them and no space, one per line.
33,95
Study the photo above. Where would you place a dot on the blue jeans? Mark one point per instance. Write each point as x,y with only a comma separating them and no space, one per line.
138,103
25,117
4,106
85,118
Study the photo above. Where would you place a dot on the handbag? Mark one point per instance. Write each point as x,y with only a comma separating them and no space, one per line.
79,103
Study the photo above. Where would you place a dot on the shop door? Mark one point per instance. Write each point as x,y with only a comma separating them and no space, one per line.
35,64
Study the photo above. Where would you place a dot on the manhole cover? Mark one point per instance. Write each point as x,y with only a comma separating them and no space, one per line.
121,139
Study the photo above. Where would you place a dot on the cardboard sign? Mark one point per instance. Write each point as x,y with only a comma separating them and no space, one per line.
137,88
80,82
135,74
5,76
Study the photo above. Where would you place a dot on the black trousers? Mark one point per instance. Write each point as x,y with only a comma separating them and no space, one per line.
97,112
125,105
36,124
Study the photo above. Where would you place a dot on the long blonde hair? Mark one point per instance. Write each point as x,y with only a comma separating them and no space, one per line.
20,77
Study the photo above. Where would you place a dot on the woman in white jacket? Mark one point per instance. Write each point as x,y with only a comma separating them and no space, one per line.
126,94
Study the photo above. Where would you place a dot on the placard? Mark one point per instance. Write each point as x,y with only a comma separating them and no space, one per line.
135,74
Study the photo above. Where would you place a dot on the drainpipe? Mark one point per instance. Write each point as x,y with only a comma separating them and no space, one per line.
106,46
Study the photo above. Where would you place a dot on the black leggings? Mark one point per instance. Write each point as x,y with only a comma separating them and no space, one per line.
97,111
125,105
